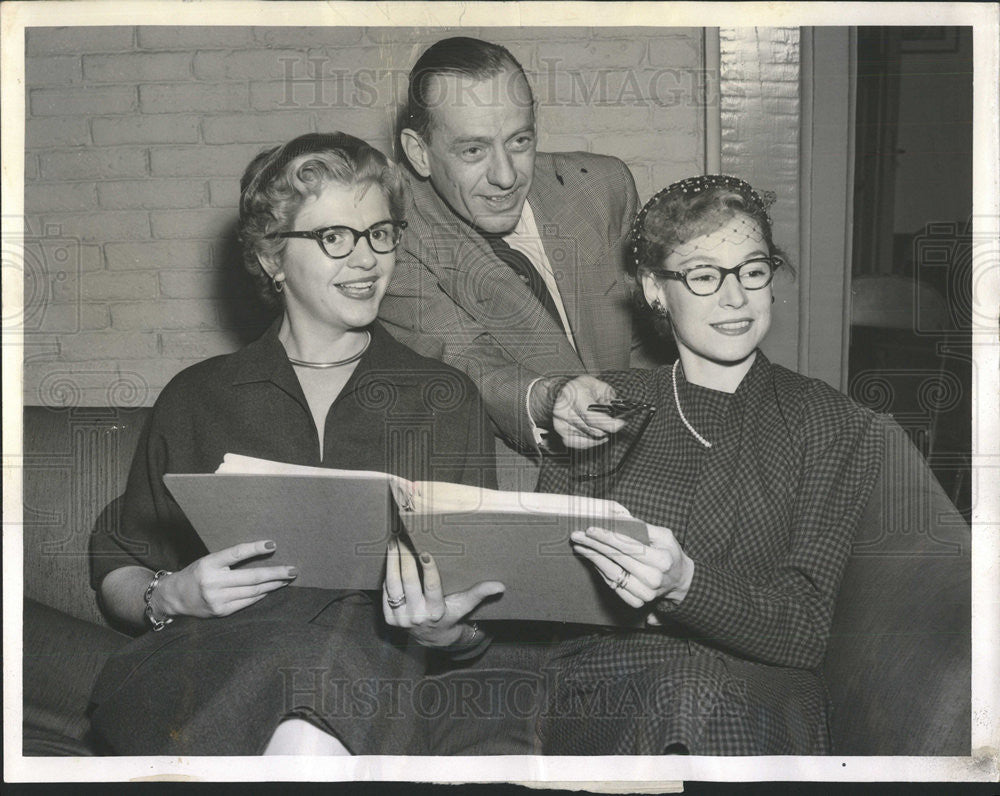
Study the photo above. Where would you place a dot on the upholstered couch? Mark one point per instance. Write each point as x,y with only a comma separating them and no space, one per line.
898,664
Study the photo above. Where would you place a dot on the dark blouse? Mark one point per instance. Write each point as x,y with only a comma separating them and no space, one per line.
767,514
399,412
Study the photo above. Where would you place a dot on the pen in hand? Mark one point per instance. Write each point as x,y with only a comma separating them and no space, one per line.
620,407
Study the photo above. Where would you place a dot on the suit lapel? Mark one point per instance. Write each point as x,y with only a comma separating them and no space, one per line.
571,239
471,274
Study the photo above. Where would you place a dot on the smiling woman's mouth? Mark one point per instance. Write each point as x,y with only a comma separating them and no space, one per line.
733,327
358,288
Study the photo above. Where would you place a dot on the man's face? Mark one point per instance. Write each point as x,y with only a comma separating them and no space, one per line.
481,154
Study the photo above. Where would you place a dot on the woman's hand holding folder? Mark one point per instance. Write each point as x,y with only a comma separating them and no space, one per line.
432,618
640,574
211,587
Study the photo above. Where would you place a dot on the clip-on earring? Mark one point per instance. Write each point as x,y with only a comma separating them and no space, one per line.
658,308
277,284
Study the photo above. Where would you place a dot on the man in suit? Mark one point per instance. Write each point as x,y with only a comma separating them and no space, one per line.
511,267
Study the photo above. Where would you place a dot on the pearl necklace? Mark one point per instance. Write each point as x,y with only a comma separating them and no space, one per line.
324,365
680,412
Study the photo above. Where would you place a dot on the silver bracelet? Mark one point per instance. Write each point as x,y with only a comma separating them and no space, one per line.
158,624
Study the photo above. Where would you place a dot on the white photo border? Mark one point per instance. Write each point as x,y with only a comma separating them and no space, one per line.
980,766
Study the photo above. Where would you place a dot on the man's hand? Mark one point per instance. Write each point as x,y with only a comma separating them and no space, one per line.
578,426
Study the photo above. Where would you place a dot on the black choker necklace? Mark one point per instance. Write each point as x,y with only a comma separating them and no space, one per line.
324,365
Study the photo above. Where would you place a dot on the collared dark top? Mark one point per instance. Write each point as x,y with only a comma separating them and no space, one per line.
399,412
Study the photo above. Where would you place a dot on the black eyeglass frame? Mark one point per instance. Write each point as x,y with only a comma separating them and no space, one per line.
773,262
318,234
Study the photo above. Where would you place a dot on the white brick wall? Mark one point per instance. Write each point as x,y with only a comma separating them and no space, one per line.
136,139
761,123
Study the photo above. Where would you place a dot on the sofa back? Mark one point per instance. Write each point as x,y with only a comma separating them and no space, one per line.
76,461
898,664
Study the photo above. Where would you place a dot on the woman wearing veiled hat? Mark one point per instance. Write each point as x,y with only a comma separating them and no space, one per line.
752,479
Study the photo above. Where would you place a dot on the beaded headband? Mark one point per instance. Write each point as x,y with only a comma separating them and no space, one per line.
694,185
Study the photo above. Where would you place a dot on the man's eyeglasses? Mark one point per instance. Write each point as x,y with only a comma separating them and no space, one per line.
337,242
704,280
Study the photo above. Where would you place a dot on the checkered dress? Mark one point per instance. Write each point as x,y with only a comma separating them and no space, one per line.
767,514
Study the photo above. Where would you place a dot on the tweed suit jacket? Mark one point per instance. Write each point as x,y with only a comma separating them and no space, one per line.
451,298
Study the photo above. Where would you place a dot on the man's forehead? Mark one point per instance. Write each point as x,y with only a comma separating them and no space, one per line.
456,97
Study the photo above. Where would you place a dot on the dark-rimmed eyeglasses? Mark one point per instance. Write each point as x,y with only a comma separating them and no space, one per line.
339,241
704,280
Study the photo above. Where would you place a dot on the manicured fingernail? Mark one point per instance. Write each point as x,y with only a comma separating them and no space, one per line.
425,557
270,545
293,572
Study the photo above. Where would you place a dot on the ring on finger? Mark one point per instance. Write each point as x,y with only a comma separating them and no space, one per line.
622,580
395,602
